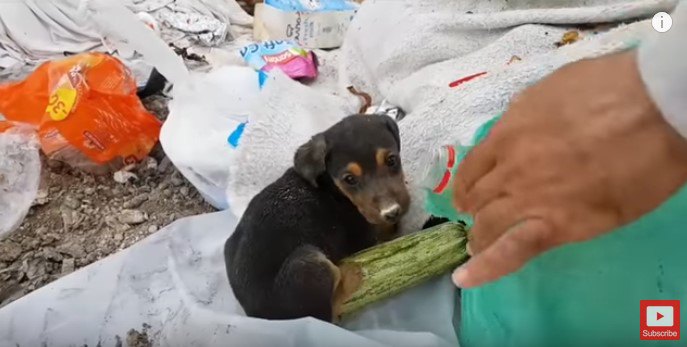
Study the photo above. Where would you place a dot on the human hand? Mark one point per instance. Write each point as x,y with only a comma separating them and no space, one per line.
575,156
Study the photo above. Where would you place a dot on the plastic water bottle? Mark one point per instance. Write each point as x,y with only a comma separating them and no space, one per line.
440,169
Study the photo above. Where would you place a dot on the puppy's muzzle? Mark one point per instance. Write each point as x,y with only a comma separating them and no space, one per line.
391,213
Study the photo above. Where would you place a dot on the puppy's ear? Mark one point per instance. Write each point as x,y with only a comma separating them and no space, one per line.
309,159
393,129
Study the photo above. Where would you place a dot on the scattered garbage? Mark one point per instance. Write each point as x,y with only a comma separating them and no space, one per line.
367,99
35,31
206,119
20,170
127,32
287,56
206,30
385,108
312,24
93,117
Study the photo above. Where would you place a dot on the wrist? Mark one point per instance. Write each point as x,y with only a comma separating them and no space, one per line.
662,64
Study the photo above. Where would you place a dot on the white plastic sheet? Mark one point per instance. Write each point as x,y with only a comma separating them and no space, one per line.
175,282
20,171
203,115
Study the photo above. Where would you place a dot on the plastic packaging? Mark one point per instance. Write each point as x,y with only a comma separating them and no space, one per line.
86,111
438,182
312,24
287,56
206,119
312,5
440,169
20,170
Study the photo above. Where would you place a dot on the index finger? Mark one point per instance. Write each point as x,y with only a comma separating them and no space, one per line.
508,254
476,164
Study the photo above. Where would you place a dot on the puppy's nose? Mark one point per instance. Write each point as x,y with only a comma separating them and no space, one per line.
391,213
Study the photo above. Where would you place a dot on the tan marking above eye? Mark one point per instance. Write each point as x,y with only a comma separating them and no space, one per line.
380,156
355,169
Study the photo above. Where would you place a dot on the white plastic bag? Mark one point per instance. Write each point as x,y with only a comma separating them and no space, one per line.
203,115
20,170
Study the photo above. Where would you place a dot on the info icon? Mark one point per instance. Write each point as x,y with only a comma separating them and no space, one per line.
659,319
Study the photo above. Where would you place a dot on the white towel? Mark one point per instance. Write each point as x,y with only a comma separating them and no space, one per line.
408,52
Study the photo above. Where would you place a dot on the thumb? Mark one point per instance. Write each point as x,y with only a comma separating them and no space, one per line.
507,254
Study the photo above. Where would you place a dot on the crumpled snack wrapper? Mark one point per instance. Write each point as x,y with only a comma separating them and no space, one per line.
287,56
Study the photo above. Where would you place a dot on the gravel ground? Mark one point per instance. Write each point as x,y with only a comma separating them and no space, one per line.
79,218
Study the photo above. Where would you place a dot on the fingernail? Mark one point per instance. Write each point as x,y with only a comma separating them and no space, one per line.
468,248
459,276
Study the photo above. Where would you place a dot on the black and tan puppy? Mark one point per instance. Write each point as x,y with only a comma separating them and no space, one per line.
346,184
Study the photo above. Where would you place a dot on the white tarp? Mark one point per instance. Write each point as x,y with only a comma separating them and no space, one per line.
175,282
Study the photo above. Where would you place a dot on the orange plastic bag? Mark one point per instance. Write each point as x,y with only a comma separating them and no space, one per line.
87,102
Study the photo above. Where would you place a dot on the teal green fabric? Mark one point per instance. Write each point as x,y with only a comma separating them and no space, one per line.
585,294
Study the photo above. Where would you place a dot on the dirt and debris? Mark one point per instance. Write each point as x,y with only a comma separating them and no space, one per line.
134,338
79,218
568,38
184,53
514,59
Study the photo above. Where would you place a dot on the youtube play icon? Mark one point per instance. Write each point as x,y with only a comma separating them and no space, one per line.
659,320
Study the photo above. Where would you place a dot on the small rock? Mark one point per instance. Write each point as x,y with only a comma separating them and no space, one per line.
71,202
55,164
150,163
47,238
68,266
152,228
36,269
91,258
41,197
9,251
50,253
116,191
33,244
68,218
136,201
176,181
165,165
118,237
124,176
167,193
74,249
164,185
132,217
89,191
184,191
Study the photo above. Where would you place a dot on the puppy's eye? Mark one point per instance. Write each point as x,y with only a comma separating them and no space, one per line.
350,179
391,161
